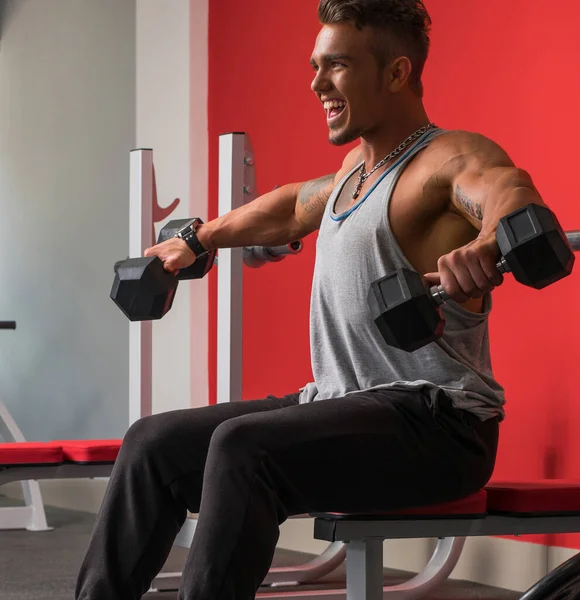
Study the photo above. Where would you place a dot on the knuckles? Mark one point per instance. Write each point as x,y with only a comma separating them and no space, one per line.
461,272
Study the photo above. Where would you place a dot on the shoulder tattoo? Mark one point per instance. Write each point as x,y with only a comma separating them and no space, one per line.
471,208
315,194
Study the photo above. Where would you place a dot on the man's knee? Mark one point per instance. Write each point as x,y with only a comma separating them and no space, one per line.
144,438
235,436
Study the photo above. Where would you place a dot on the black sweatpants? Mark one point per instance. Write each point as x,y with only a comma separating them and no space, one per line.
247,466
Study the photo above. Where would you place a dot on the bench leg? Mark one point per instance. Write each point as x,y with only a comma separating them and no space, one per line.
364,570
32,517
33,499
290,577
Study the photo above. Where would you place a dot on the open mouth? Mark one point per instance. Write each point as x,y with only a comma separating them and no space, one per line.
334,108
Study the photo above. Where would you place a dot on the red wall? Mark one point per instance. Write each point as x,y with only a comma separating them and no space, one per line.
508,70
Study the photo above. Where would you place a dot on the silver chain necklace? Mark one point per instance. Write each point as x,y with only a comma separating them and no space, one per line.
363,175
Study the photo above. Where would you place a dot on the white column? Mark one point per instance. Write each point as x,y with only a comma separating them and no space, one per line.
198,197
164,50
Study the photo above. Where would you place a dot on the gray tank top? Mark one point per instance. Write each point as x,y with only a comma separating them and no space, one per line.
348,353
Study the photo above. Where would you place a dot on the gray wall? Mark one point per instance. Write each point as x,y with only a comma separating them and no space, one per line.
67,124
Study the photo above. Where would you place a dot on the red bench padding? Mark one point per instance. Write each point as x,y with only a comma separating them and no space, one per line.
89,451
30,453
471,505
530,497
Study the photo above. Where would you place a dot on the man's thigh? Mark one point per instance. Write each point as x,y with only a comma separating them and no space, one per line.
177,441
378,450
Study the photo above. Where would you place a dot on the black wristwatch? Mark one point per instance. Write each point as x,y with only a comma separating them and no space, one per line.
188,235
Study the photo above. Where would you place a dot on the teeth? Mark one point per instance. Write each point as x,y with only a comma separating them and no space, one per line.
334,104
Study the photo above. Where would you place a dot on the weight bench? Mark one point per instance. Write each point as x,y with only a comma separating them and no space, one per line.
32,461
500,509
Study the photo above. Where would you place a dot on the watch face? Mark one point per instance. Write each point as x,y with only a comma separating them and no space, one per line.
188,228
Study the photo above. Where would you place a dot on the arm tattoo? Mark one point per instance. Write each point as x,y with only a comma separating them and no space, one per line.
315,194
472,208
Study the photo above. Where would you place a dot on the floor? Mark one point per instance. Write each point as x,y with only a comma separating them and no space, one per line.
43,565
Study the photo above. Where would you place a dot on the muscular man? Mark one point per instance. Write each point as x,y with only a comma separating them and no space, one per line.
379,428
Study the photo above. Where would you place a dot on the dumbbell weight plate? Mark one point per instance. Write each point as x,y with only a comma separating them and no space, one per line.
143,289
405,315
535,246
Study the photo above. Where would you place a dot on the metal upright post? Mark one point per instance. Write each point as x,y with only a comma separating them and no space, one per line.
236,187
140,333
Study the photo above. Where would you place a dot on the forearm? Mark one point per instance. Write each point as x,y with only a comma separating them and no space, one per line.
483,199
269,220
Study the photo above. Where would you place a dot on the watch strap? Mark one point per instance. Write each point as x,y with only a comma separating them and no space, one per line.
189,236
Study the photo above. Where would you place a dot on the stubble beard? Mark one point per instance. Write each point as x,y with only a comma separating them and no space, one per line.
343,137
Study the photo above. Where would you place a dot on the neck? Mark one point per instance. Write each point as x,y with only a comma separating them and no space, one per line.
379,143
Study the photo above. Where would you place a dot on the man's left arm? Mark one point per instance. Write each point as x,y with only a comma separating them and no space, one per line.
485,186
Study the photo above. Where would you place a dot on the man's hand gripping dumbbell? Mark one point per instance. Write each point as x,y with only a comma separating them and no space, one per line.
534,249
144,288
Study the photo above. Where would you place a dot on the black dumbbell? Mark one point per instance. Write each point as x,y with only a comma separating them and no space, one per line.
534,248
144,290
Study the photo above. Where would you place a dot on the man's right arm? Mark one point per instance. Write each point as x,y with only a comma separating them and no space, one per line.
284,215
287,214
280,217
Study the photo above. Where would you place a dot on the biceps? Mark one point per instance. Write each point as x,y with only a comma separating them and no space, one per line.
312,199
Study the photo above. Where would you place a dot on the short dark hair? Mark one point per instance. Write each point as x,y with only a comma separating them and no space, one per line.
402,25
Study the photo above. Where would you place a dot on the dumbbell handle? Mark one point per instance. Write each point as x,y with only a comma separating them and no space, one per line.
293,248
7,324
257,256
440,295
574,239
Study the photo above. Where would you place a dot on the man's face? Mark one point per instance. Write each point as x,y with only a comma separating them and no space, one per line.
349,83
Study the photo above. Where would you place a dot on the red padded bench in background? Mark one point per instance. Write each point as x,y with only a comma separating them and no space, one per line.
21,461
30,453
28,462
89,451
57,452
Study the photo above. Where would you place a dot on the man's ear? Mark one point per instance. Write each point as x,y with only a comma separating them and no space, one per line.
399,73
